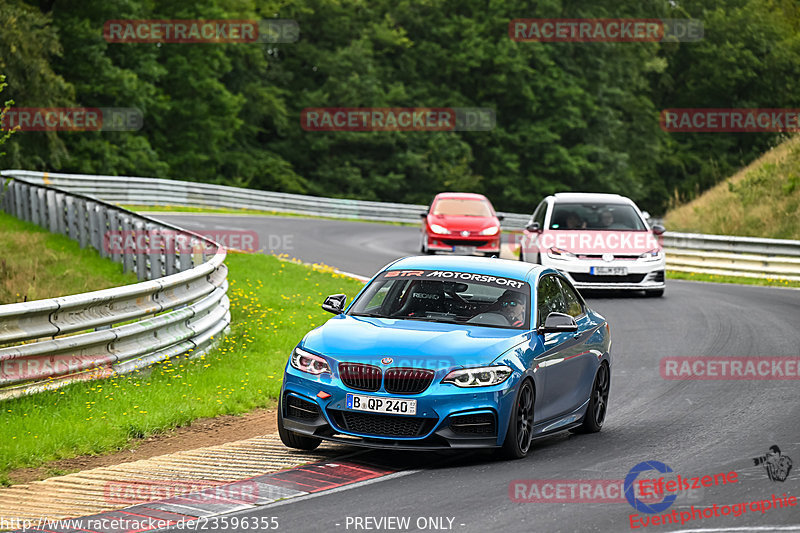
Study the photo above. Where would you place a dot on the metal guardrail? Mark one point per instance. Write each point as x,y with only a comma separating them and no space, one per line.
161,192
711,254
179,307
733,256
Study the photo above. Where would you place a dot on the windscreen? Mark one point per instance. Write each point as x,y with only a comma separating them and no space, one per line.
595,217
463,207
446,296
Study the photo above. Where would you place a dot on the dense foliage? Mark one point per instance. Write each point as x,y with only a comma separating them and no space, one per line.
570,116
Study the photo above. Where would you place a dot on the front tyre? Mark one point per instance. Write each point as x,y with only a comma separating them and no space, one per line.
519,436
423,244
291,439
598,402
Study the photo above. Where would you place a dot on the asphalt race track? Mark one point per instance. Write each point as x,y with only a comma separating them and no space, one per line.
696,427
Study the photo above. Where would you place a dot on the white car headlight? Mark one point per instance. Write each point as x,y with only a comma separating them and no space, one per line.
491,230
308,362
483,376
436,228
652,255
560,253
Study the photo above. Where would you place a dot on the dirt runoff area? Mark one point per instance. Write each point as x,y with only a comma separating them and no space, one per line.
201,433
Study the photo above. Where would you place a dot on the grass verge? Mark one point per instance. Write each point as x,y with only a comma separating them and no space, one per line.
739,280
273,304
36,264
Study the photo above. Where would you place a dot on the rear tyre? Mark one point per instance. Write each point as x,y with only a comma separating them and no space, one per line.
655,293
598,403
291,439
519,436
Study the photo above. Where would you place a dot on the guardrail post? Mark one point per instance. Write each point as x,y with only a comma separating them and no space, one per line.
90,224
102,230
72,217
141,257
28,204
10,202
34,205
113,236
41,196
83,229
127,255
52,211
154,249
61,219
185,257
198,255
171,250
95,238
5,194
19,201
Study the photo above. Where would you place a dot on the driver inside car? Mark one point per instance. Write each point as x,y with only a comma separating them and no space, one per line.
512,306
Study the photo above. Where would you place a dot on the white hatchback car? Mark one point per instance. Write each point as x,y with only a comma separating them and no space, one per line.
599,241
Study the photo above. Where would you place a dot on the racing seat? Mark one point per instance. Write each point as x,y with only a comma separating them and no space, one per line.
423,297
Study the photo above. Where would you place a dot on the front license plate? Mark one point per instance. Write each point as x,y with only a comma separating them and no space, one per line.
609,271
373,404
464,250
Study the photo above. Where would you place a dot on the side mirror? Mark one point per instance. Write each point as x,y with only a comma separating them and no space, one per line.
533,227
501,217
424,215
658,229
558,323
335,303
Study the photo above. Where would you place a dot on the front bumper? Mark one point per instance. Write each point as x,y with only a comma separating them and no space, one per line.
642,275
447,416
447,243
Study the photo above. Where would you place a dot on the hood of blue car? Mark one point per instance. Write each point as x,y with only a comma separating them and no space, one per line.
410,342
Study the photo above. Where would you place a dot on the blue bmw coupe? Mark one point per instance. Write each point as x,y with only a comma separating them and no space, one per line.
446,353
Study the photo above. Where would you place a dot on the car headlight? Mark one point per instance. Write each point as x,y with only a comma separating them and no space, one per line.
483,376
652,255
492,230
436,228
560,253
308,362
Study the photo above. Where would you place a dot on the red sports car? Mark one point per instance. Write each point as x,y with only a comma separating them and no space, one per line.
463,223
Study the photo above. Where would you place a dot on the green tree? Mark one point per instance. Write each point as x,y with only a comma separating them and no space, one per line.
4,135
